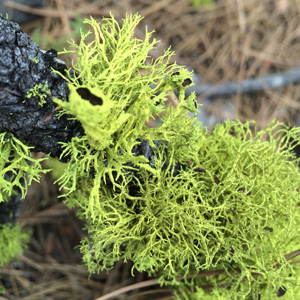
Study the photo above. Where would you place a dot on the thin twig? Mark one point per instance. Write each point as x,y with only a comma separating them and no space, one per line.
129,288
54,13
200,275
292,254
253,85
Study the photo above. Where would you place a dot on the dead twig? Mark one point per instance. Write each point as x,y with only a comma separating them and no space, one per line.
254,85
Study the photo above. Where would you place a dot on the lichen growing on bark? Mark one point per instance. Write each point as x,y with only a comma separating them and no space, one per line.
230,205
16,163
13,240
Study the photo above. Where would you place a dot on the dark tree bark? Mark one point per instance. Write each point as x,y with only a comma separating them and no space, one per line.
10,210
23,66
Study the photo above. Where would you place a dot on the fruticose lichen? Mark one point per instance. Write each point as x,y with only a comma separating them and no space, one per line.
13,240
17,170
40,92
113,93
215,214
17,164
225,201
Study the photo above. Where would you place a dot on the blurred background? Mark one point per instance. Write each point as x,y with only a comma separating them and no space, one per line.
222,41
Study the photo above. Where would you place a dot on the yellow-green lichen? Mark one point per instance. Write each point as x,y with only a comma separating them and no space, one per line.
39,91
17,167
233,204
13,240
128,88
35,60
234,216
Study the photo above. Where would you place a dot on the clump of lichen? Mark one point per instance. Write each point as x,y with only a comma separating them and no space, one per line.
13,240
122,87
233,207
17,170
40,92
115,88
17,167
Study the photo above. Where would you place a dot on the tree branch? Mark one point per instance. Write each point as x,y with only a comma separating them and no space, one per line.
23,66
254,85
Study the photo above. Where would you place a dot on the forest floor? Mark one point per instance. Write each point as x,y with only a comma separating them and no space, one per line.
231,40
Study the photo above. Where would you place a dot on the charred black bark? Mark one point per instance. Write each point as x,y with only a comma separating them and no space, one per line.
10,210
23,65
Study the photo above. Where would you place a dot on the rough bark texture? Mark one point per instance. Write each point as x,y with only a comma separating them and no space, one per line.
10,210
23,65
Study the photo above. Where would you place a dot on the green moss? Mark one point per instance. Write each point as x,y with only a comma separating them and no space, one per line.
17,163
233,204
13,240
